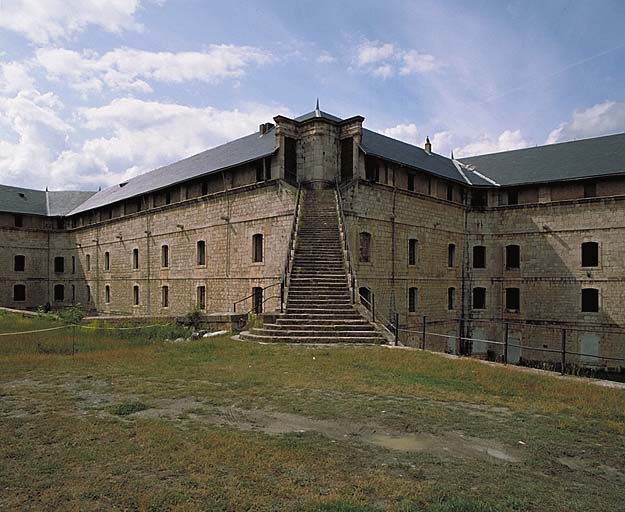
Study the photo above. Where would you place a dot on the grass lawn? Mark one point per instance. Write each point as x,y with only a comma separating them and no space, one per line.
218,424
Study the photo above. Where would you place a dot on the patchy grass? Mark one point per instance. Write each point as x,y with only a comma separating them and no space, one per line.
225,425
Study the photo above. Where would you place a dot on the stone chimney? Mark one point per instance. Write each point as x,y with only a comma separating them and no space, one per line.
264,128
428,146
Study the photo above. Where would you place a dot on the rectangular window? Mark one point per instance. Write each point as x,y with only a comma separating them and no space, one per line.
88,258
412,251
590,190
513,197
73,294
347,159
450,193
88,293
201,297
168,197
257,248
59,264
479,198
411,179
165,296
513,299
204,188
451,255
59,293
107,260
107,294
372,170
19,263
201,252
365,247
479,298
479,256
590,300
451,298
18,220
135,259
412,300
135,295
513,257
73,264
290,160
260,172
19,293
590,254
257,300
165,256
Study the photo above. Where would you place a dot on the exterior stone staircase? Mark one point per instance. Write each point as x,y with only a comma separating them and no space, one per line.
318,307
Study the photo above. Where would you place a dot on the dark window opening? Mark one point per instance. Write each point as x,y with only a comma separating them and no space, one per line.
107,294
513,197
168,197
135,295
88,293
365,247
479,298
451,298
165,296
513,257
73,294
411,180
88,262
201,297
267,164
451,255
290,160
19,263
513,299
59,264
60,223
257,299
201,252
204,188
412,300
107,260
59,292
479,198
19,293
347,159
365,296
135,259
590,300
450,193
412,251
372,169
165,256
19,220
73,264
590,254
479,256
260,172
590,190
257,248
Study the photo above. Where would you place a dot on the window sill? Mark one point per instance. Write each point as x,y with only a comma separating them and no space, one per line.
258,263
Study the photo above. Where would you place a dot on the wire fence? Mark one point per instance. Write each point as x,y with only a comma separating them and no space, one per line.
578,349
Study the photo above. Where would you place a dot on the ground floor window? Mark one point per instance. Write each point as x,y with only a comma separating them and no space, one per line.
412,300
513,299
590,300
19,292
59,292
479,298
201,297
257,297
165,296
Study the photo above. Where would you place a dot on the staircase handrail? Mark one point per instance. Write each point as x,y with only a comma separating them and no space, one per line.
234,304
350,264
292,237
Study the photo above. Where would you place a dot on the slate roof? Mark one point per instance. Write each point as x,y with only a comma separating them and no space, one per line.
40,202
412,156
587,158
313,114
239,151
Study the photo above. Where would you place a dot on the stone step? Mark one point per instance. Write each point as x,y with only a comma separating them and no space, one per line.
308,332
310,326
324,322
310,339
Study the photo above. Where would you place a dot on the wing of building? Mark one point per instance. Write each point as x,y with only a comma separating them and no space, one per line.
523,238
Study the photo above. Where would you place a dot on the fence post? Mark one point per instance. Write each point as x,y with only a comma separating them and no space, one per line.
396,329
563,369
373,306
458,338
423,334
73,339
505,344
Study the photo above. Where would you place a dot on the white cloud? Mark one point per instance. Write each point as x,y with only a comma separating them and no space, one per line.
506,141
383,60
130,69
326,58
600,119
14,77
404,132
42,21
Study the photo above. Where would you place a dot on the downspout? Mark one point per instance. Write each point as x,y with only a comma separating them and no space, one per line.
147,241
465,273
48,268
392,298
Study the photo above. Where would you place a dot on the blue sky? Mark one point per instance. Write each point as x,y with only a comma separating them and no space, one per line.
93,92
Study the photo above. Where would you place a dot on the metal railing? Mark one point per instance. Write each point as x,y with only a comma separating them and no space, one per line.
289,253
350,264
234,304
391,326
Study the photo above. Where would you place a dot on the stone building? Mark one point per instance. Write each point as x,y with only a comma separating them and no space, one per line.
515,245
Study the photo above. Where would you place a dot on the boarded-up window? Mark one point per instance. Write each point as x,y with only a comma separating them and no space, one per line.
412,251
451,298
513,299
19,292
201,252
59,292
365,247
451,255
201,297
590,254
165,296
412,300
19,263
590,300
479,256
59,264
257,248
479,298
290,160
347,159
513,256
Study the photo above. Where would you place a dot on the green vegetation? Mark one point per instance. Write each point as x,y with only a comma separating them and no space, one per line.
215,424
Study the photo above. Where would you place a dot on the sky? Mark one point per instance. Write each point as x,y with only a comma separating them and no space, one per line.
93,92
